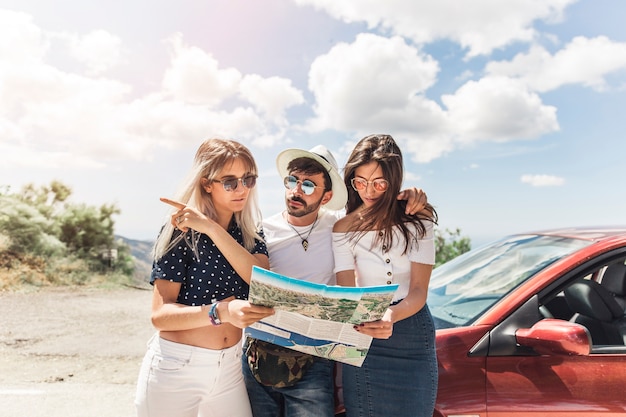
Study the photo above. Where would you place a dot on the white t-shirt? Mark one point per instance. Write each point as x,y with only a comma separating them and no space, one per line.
288,257
373,266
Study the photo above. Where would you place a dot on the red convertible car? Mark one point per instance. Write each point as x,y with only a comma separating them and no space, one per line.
533,325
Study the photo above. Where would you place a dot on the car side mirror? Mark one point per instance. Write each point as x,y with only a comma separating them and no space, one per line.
554,336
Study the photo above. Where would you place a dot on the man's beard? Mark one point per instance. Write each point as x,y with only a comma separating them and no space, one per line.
306,209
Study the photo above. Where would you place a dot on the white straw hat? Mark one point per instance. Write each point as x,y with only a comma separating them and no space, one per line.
327,160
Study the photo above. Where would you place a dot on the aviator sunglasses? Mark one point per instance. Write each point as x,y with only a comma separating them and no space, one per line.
359,184
307,186
231,184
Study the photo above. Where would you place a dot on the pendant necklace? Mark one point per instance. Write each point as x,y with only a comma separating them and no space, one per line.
305,241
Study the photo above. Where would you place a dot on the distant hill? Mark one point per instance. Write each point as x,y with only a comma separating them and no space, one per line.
140,250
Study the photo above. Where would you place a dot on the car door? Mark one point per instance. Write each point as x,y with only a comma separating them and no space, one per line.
523,382
556,385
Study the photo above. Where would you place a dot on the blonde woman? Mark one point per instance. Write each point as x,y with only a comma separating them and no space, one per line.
201,273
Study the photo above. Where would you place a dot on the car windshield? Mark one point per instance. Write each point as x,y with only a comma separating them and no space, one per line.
462,289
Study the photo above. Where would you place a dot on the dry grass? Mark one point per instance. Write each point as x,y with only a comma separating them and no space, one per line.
23,271
19,271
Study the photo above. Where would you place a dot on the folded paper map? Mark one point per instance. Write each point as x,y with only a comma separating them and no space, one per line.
317,318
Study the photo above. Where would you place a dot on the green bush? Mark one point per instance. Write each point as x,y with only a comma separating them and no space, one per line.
47,240
27,230
450,244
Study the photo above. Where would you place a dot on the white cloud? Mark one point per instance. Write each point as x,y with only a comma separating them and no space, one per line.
21,41
195,76
583,61
270,96
498,109
373,84
20,157
478,25
98,50
51,111
412,178
542,180
377,84
70,119
421,148
172,123
354,83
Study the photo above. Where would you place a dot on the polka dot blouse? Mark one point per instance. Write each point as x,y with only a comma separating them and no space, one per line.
205,279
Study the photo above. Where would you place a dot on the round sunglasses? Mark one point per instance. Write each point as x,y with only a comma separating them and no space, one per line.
307,186
359,184
231,184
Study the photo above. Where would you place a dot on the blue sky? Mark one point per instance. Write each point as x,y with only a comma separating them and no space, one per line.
510,114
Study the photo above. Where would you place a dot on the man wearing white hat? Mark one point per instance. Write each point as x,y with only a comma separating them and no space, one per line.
299,242
300,236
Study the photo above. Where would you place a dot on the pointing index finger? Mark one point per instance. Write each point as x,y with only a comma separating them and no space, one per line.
173,203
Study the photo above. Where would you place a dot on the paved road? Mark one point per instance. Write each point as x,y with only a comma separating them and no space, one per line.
66,400
71,352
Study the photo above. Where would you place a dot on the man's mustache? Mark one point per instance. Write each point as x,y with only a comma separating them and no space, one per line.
298,200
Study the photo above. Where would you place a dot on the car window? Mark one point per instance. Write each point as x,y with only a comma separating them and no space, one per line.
599,304
462,289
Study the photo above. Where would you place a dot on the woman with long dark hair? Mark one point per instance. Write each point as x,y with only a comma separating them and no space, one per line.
377,243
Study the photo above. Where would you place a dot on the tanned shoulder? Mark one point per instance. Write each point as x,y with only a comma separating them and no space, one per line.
343,225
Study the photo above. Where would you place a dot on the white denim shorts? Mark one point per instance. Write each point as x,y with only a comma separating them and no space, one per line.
187,381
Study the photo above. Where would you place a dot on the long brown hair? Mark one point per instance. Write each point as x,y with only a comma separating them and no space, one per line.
387,212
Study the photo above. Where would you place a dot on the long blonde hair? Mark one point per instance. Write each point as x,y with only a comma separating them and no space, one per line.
212,156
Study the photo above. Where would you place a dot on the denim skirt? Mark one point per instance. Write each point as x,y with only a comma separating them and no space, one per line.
399,375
